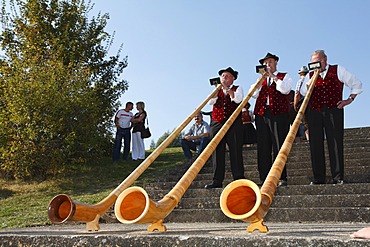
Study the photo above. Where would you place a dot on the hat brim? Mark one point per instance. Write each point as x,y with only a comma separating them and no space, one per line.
303,71
221,71
233,73
269,56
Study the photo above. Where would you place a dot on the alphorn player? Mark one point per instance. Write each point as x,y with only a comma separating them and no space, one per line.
326,116
224,104
272,116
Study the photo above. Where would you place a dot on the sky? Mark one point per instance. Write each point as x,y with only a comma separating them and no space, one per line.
175,46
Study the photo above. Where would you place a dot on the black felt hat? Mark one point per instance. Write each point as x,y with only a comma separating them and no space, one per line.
269,55
231,71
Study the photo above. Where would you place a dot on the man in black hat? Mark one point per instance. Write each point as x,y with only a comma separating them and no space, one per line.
272,116
224,104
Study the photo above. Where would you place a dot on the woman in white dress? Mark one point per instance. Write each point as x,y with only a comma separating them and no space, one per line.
138,120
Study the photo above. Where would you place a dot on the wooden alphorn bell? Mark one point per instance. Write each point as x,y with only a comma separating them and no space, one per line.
242,199
134,206
62,208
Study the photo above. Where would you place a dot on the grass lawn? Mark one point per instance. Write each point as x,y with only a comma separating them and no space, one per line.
25,204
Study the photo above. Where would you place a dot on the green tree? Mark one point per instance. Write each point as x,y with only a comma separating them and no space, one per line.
59,88
175,143
152,144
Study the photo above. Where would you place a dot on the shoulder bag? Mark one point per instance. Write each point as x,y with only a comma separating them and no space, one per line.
145,133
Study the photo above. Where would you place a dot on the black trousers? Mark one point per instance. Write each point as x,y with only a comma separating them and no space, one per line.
234,140
329,122
271,133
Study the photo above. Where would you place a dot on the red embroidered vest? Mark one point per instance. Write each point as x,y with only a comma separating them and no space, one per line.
279,103
224,107
328,91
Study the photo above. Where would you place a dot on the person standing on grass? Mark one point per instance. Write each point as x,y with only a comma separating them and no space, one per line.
122,120
138,148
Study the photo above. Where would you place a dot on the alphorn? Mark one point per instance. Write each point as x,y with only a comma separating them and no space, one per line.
242,199
134,205
62,208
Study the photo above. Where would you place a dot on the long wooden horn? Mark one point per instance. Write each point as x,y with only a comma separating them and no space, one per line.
242,199
62,208
134,205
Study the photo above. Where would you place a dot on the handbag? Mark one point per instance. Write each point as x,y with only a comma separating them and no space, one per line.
145,133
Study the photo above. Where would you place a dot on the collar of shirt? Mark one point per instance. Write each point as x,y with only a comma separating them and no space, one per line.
270,79
199,125
323,73
275,73
225,91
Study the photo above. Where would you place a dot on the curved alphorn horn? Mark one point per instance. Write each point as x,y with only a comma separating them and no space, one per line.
62,208
243,200
134,205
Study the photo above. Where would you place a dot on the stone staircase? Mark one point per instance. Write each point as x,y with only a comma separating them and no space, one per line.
298,202
300,215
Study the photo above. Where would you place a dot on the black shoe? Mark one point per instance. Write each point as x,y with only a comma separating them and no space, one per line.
283,183
316,183
213,185
339,182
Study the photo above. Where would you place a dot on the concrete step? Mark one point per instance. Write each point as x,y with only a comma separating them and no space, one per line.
280,234
291,190
318,201
330,214
304,149
296,201
355,214
292,180
350,165
292,172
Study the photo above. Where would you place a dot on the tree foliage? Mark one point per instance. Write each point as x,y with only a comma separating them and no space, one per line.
59,87
175,143
152,144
